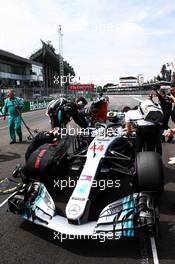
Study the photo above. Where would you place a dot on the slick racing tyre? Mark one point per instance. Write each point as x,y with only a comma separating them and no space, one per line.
149,172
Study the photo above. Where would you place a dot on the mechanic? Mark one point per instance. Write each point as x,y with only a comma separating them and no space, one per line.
51,110
12,107
172,97
98,110
61,112
147,132
166,105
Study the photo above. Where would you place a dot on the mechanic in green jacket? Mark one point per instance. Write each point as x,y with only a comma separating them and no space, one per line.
12,107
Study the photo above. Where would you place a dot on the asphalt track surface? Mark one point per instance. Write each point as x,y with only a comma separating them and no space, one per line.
23,242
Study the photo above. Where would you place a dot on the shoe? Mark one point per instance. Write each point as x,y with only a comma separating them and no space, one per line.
171,158
172,161
20,139
13,142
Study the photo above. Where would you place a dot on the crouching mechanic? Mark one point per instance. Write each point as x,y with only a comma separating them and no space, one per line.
61,112
147,130
12,107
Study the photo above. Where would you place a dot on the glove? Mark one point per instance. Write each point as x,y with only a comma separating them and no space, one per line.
168,133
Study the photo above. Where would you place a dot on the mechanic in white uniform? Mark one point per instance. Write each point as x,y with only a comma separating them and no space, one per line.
147,133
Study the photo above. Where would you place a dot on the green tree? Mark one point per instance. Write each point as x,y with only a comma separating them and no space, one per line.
108,84
99,89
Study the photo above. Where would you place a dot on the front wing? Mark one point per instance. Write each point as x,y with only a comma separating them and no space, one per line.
120,219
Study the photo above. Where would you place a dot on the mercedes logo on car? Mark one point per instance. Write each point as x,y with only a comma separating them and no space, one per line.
74,209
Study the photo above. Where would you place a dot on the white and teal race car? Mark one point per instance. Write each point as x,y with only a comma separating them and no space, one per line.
107,189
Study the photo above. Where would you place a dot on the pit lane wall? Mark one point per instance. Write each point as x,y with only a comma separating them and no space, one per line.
35,105
31,105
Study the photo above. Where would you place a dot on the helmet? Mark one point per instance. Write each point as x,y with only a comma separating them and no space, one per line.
81,102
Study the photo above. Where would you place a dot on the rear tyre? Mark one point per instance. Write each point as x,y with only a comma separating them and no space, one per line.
149,172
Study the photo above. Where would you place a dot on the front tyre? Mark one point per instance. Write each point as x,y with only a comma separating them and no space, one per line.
149,172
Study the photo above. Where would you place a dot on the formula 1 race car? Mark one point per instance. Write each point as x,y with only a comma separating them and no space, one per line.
108,190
